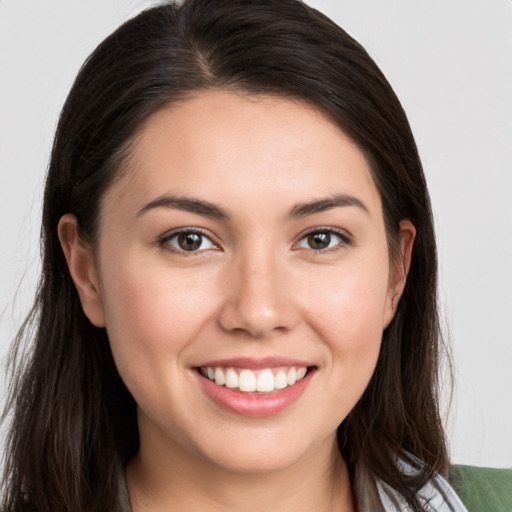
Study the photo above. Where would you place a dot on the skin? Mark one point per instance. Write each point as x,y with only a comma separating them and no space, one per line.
257,289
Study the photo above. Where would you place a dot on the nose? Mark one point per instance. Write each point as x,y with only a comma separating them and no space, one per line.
258,301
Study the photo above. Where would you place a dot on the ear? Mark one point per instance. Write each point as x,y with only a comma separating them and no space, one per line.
81,267
399,269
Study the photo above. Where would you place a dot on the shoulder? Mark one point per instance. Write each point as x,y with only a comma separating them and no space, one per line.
483,488
437,495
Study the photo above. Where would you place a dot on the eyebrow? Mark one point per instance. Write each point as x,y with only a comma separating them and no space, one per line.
186,204
327,203
207,209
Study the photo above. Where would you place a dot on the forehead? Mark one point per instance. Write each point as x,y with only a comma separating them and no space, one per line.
229,147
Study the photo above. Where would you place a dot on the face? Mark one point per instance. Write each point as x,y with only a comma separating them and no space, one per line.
243,276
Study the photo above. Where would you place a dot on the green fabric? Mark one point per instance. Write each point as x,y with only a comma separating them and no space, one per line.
483,489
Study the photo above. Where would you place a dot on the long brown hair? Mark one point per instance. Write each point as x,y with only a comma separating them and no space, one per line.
73,422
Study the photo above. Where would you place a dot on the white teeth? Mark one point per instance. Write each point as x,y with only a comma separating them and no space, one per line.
231,378
281,381
246,381
220,379
301,372
265,381
249,381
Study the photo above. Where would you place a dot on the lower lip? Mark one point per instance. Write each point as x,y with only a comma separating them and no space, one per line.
255,405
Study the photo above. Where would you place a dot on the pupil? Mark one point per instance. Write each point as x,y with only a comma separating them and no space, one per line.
189,241
319,240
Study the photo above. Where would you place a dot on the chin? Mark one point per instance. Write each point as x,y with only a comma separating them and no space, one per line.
260,452
255,463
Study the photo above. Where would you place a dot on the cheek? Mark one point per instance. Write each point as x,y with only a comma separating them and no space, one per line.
152,314
346,310
347,305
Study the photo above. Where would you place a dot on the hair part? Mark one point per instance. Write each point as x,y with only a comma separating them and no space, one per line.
73,420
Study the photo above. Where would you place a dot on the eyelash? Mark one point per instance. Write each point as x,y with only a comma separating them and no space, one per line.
344,240
164,241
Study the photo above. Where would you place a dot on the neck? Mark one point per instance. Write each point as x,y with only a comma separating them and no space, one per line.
159,481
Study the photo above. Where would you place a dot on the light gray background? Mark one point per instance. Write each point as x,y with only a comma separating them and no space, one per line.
450,63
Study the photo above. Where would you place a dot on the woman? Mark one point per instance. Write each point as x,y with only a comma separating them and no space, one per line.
238,301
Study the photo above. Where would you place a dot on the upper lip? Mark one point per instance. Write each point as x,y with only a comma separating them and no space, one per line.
256,363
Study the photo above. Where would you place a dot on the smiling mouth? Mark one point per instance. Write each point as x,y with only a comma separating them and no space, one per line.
244,380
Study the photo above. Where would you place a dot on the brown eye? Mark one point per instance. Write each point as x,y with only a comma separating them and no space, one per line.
188,241
322,239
